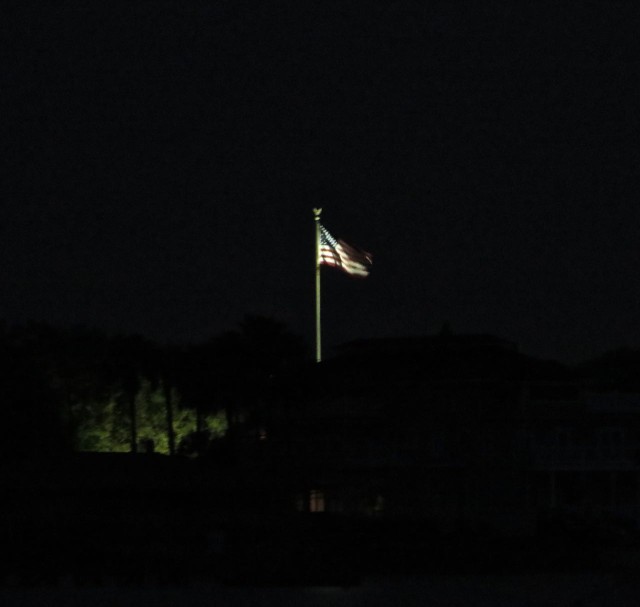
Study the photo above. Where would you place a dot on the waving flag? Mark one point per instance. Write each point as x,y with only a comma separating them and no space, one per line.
339,254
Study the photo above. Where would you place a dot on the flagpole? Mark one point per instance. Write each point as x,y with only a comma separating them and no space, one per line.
316,216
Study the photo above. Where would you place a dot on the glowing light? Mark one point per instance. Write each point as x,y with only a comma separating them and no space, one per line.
316,501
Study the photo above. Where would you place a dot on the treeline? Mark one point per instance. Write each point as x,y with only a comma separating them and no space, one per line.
82,389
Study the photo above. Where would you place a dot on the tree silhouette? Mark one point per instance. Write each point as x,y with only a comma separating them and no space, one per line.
81,387
33,423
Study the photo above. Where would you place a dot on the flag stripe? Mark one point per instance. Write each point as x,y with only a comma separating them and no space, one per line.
339,254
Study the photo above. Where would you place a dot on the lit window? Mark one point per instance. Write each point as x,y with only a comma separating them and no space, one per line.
316,501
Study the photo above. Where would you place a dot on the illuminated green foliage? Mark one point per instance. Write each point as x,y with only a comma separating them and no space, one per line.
216,424
105,424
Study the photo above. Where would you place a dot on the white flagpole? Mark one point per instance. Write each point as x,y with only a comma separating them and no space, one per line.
316,214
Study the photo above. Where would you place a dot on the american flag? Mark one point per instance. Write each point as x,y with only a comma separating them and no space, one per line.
339,254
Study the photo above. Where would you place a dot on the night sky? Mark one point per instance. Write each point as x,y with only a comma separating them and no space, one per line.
161,163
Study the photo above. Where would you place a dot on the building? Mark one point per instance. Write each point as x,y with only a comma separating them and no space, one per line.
460,430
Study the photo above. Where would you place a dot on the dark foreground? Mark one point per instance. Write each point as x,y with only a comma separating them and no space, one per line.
531,590
95,538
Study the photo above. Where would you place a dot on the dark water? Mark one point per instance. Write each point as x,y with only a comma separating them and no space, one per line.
577,590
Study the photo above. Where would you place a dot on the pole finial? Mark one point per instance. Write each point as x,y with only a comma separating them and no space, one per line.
316,214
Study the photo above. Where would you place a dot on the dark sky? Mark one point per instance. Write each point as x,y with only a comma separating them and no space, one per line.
161,163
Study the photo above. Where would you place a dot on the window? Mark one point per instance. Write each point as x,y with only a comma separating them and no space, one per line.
316,501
